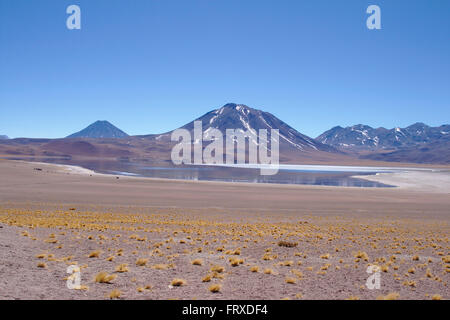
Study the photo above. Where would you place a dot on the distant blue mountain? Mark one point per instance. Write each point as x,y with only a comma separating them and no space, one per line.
365,137
3,137
100,129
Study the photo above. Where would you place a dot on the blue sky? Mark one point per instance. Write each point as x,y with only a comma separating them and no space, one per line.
150,66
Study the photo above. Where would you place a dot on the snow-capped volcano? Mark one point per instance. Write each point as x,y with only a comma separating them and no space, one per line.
241,117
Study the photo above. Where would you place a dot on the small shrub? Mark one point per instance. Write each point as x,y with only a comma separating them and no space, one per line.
207,278
290,280
115,294
254,269
197,262
389,296
141,262
103,277
178,282
218,269
215,288
94,254
122,268
287,244
268,271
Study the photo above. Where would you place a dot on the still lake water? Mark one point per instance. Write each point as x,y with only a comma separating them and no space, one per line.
307,175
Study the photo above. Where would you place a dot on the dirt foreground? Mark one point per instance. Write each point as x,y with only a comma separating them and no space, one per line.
160,239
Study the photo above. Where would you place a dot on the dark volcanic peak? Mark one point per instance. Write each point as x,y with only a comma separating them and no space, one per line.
100,129
3,137
366,137
241,117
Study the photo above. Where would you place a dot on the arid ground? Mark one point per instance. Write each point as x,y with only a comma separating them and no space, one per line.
140,238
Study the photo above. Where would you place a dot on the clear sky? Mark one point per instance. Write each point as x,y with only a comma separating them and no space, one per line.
150,66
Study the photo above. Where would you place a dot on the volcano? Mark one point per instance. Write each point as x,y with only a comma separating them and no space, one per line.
100,129
242,117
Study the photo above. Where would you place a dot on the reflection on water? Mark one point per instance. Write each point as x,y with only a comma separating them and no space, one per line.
166,170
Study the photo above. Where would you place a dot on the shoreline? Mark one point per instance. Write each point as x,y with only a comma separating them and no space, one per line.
78,170
412,179
421,181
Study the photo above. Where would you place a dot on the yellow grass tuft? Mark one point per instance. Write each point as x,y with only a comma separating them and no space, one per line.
236,252
42,265
207,278
390,296
115,294
436,297
268,271
178,282
235,262
287,244
298,273
103,277
141,262
409,283
215,288
218,269
325,267
94,254
218,275
290,280
122,268
362,255
197,262
287,263
82,288
254,269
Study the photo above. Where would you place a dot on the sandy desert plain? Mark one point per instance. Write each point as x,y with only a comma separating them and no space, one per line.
141,238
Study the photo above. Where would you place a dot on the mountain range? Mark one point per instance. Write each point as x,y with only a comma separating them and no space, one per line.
3,137
360,137
433,152
417,143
